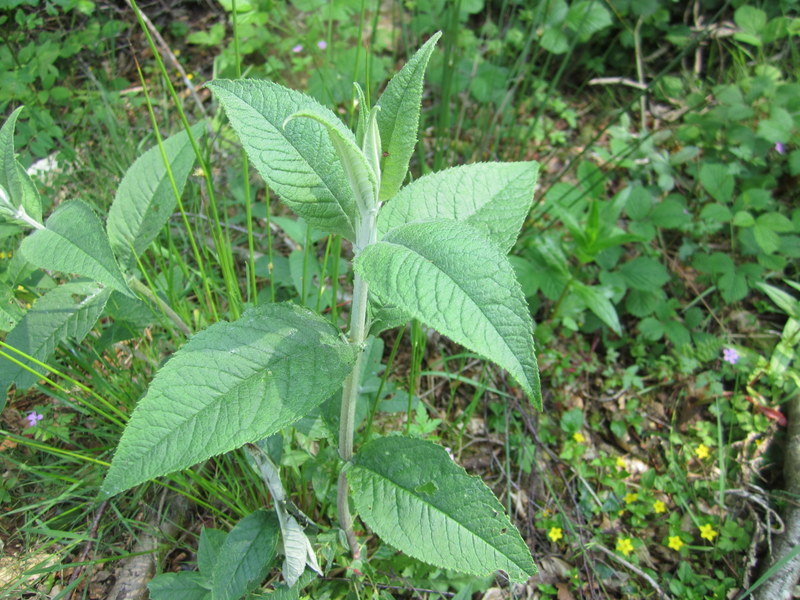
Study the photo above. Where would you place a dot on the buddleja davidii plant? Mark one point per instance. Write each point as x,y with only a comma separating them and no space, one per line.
73,239
433,250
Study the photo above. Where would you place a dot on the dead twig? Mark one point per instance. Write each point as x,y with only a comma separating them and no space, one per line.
630,566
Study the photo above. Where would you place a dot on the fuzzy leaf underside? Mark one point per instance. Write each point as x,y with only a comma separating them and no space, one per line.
13,177
450,277
145,200
73,241
245,556
231,384
68,311
495,198
360,174
412,494
398,119
296,159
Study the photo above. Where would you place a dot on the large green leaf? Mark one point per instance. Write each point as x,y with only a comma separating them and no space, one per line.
492,197
13,179
231,384
73,241
145,200
296,159
412,494
360,174
185,585
398,119
245,556
68,311
452,278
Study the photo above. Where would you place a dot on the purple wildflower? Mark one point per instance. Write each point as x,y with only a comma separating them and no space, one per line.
298,48
730,355
33,418
322,44
780,148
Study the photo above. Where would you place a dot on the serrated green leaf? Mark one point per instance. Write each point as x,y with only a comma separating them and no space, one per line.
145,200
717,182
645,274
450,277
651,328
73,241
641,304
186,585
245,557
733,286
383,317
776,222
495,198
398,119
298,161
10,312
587,18
211,541
68,311
231,384
767,239
416,498
13,178
360,175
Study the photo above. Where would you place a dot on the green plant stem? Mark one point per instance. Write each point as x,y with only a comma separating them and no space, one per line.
145,291
366,234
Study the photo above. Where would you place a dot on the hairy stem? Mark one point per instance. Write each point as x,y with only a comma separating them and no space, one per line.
366,235
145,291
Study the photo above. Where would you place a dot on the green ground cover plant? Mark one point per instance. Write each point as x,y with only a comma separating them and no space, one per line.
658,260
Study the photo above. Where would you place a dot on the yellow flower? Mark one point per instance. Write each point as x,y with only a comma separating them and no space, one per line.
555,534
659,506
621,463
190,76
702,451
629,498
675,542
707,532
578,437
625,545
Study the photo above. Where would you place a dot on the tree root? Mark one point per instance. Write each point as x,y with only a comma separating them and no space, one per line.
781,584
136,572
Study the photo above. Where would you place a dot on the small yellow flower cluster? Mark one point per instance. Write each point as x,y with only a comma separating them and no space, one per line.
578,437
707,532
631,498
702,451
625,545
659,507
8,254
675,542
555,534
